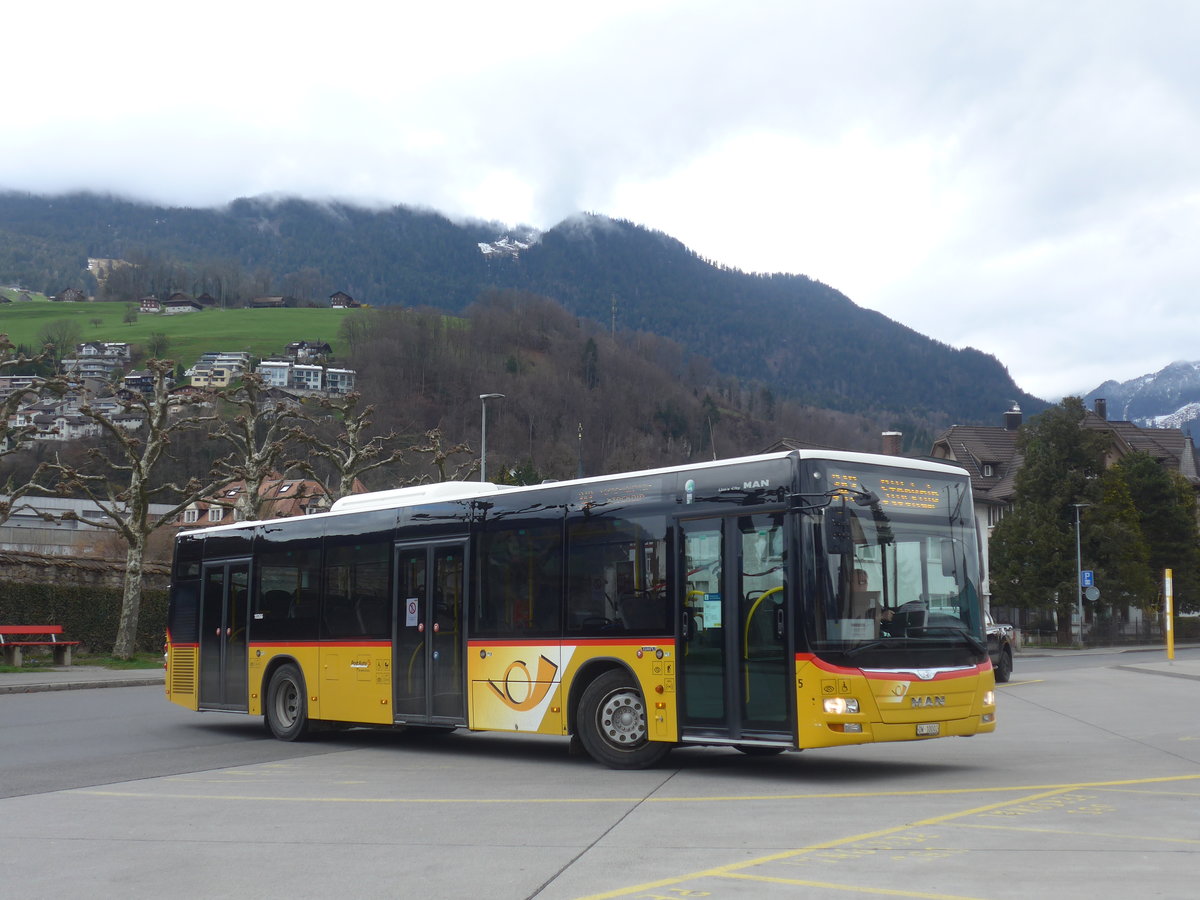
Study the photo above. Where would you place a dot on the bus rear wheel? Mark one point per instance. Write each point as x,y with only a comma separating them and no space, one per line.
612,725
287,711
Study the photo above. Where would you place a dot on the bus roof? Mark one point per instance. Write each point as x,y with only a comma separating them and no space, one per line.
417,495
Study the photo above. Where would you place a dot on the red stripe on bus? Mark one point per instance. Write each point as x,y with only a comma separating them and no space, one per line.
321,644
590,639
889,676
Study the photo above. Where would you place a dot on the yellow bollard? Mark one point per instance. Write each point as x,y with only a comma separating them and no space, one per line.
1169,612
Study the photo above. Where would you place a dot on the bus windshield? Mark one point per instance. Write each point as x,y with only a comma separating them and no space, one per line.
896,572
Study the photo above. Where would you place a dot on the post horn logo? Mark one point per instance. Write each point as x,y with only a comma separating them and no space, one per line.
529,691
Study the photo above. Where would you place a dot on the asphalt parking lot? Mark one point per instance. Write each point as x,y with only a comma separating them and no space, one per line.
1089,788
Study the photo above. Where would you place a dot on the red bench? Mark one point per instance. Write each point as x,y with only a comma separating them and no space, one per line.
25,637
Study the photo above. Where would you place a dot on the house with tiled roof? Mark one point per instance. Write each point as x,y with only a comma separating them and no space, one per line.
279,497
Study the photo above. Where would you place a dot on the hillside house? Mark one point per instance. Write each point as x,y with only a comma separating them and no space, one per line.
308,350
288,375
150,305
97,368
176,307
115,349
206,375
342,300
71,295
141,380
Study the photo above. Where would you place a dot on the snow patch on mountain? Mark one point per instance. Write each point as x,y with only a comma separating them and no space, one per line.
1169,398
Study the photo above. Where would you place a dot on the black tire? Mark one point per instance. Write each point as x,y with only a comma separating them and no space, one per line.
287,704
612,725
1005,666
753,750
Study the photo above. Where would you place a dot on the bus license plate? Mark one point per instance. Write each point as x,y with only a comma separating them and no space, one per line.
929,728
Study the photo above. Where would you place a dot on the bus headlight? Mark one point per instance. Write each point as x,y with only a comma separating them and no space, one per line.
840,706
989,698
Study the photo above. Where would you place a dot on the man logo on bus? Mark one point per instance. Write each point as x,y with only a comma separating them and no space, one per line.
921,702
531,691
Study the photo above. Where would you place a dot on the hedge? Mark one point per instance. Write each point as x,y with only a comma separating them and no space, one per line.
87,613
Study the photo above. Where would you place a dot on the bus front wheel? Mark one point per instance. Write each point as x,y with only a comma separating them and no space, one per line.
287,709
611,724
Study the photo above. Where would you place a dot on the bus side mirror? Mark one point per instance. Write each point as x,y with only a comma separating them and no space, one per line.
948,562
838,537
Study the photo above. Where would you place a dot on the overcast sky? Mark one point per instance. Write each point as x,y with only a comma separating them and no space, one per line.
1023,178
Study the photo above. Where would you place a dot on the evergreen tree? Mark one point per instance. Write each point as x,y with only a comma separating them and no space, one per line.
1166,508
1113,546
1033,548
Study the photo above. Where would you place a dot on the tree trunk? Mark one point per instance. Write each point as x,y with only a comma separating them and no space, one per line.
131,601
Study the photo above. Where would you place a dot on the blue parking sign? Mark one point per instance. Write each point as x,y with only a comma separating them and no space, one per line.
1086,578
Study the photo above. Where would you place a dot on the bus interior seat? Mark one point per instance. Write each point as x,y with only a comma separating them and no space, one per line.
277,604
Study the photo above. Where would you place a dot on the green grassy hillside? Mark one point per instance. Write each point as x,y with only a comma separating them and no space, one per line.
264,332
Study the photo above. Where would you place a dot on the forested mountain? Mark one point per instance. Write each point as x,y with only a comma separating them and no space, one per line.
801,338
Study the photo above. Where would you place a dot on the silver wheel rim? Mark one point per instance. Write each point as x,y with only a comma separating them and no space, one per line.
287,704
622,718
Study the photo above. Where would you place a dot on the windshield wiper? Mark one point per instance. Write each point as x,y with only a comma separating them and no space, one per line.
869,645
972,641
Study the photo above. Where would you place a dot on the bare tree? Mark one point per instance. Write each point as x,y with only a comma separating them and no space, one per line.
351,453
259,434
439,456
123,485
12,436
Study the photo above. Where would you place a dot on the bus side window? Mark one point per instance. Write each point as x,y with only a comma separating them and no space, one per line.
617,575
521,579
285,595
357,589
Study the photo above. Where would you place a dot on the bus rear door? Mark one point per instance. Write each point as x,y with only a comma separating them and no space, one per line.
428,658
223,656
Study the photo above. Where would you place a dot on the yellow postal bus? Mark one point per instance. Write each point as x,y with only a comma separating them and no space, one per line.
769,603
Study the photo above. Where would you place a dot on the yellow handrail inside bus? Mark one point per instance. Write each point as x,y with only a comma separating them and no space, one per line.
412,660
746,637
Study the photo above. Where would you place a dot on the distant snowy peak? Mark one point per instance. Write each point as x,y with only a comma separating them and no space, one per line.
1169,398
1178,419
509,246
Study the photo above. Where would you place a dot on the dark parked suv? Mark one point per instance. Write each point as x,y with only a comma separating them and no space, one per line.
1000,647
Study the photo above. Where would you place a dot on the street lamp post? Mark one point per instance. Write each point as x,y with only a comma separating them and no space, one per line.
1079,571
483,399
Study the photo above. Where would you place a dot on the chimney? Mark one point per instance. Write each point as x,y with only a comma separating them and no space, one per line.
1101,406
891,442
1012,418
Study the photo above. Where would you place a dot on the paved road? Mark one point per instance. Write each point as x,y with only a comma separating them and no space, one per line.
1090,787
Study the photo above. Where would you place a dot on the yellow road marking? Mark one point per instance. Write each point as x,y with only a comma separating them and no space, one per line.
736,868
855,888
723,871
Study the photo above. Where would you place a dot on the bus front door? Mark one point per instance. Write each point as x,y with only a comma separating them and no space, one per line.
224,605
734,664
428,658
